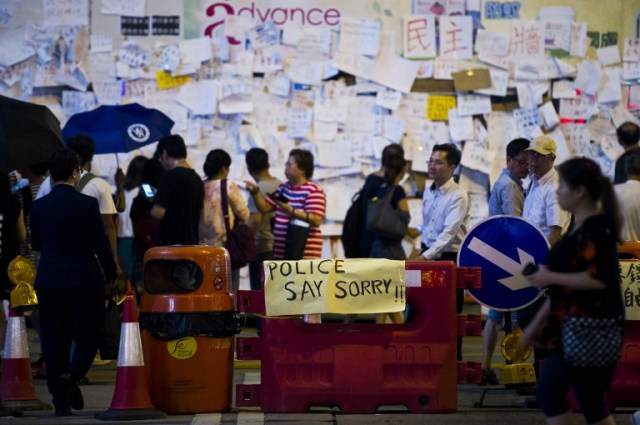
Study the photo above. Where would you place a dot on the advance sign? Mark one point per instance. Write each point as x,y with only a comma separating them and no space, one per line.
502,246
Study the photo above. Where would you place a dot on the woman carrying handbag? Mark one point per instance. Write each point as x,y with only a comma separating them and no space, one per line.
388,220
212,229
580,324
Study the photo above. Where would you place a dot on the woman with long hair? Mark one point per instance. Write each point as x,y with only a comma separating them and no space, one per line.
580,324
384,247
211,230
131,188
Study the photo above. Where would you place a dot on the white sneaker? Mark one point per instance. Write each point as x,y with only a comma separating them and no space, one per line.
635,418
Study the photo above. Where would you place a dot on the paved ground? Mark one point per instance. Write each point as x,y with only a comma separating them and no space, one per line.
501,406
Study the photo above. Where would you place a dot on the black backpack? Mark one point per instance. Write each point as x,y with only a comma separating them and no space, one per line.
351,228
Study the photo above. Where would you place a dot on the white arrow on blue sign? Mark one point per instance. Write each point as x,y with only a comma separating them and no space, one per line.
502,246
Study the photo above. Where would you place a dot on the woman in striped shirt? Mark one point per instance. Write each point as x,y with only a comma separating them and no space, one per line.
299,200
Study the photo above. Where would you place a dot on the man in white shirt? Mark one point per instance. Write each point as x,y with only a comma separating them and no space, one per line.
628,194
445,207
541,204
445,212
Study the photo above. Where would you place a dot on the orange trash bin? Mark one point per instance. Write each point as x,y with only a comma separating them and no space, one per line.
188,322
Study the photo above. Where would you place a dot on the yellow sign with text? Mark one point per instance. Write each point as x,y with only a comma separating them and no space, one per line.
166,81
438,107
345,286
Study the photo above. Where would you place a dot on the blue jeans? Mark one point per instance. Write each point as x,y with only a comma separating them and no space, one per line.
497,317
590,384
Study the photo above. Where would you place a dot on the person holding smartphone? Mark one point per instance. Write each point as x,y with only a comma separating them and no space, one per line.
299,204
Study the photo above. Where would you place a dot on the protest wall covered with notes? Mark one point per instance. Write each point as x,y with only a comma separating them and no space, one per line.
341,78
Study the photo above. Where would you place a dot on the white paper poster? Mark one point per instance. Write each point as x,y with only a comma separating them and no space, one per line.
631,50
395,72
527,39
123,7
492,43
419,36
359,36
455,37
473,104
499,80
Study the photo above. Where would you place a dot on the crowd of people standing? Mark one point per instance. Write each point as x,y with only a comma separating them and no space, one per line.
164,201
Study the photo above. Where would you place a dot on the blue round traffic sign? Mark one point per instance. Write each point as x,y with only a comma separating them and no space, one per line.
502,246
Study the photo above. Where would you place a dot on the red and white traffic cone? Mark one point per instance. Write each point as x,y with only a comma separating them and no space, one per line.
16,384
131,399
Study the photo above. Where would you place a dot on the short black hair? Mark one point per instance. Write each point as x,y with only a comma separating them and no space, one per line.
257,160
62,164
83,145
453,154
628,133
516,146
152,172
216,160
304,161
174,146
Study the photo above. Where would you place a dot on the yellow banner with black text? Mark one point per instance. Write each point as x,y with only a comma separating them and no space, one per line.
345,286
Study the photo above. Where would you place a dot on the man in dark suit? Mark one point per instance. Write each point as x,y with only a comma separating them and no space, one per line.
76,264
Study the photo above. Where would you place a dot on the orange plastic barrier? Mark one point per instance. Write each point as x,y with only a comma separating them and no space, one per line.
359,367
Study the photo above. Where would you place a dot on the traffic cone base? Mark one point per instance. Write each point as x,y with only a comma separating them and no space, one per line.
126,397
16,384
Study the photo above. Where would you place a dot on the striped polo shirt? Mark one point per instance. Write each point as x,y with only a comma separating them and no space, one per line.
308,197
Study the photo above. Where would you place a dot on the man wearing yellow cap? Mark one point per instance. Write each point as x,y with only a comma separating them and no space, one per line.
541,204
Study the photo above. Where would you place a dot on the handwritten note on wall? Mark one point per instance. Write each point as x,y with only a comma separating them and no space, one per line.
438,107
359,36
455,37
419,36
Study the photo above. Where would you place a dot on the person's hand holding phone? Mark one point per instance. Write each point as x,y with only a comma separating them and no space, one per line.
538,275
279,197
149,192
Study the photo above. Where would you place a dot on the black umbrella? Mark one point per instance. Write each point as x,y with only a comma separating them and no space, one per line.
29,134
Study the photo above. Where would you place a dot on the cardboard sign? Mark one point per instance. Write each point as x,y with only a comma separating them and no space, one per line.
471,79
346,286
